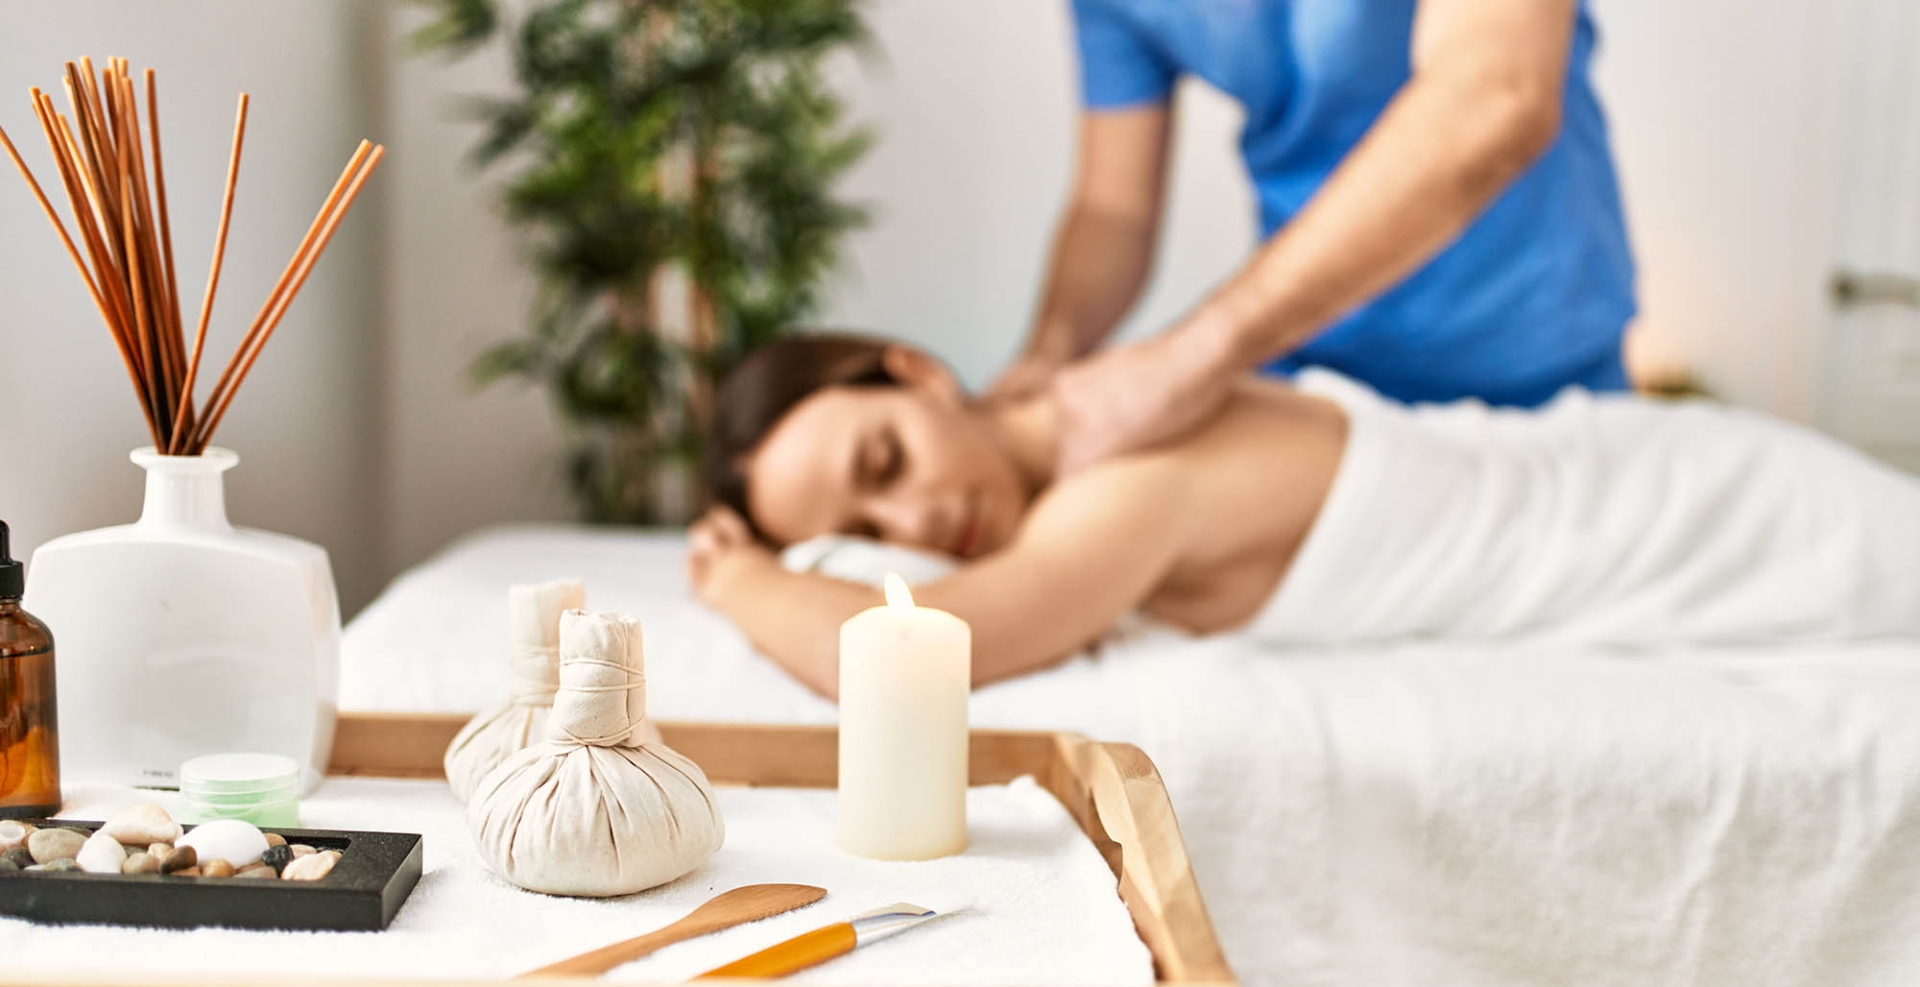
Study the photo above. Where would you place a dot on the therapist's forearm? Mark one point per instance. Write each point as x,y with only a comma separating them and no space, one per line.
1444,149
1100,262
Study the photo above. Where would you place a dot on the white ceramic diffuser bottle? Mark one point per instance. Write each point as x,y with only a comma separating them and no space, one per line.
183,636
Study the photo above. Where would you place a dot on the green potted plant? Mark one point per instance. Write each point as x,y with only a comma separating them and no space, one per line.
672,164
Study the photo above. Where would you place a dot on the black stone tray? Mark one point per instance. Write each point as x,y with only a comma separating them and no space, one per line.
375,874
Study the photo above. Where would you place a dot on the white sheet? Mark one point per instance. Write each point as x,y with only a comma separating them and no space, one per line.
1418,814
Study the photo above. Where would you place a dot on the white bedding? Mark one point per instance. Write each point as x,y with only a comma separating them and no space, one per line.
1412,814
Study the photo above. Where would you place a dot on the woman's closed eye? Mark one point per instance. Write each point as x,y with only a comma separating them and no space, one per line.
895,461
882,461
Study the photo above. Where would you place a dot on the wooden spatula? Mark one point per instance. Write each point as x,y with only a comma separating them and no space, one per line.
724,911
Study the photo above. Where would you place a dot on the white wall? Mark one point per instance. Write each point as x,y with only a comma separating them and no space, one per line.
1726,122
457,458
305,424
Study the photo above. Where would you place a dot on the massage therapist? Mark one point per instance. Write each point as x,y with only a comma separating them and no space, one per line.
1436,196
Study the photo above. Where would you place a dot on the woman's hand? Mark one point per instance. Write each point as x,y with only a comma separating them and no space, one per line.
719,546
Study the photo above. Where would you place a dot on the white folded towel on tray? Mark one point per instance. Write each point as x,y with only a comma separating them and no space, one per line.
1041,907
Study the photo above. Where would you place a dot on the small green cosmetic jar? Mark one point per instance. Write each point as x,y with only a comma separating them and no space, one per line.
263,789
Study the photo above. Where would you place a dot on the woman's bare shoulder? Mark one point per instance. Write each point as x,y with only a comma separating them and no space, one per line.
1262,418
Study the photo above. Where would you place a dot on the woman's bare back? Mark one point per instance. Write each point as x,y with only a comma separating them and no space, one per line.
1253,481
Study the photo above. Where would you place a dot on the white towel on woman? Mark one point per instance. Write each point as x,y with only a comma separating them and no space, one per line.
1609,520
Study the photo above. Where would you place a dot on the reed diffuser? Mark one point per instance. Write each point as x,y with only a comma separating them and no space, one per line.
181,635
102,158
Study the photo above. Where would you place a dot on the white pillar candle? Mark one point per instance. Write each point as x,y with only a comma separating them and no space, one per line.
905,672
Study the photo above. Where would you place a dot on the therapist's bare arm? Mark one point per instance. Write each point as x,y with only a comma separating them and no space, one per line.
1103,247
1482,104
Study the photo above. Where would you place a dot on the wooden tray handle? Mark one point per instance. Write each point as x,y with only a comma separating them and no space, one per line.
1155,881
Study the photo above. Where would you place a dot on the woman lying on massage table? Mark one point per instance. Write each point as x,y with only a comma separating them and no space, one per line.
1308,513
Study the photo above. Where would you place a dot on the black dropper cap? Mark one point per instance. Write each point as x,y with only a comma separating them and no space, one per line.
13,575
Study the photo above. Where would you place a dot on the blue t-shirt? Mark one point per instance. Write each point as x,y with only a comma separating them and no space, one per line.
1534,295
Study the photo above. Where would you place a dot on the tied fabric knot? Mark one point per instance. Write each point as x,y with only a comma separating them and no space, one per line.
616,738
534,674
602,697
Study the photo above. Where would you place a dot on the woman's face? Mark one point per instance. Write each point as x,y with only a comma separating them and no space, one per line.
911,465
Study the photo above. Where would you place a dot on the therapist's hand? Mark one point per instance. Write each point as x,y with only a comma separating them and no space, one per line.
1136,396
1030,374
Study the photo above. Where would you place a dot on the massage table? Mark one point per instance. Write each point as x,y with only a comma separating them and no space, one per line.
1412,813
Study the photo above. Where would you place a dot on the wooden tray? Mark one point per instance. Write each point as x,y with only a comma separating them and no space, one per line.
1112,790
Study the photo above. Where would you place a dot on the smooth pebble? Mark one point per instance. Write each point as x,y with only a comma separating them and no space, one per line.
62,864
300,849
20,856
160,850
140,862
258,871
180,859
188,872
275,839
139,825
7,865
277,857
216,868
235,841
101,854
13,833
311,867
49,845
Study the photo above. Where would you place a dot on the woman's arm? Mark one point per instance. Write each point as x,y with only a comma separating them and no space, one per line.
1092,551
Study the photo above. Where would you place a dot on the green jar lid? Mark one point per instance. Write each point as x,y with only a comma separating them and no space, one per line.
202,797
239,774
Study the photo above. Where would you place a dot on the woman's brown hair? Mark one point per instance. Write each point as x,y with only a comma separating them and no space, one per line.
768,384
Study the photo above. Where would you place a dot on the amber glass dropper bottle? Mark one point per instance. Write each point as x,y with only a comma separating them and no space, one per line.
29,735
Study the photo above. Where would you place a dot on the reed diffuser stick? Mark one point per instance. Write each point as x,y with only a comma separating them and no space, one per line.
93,226
104,156
178,336
53,216
305,259
180,436
53,127
286,276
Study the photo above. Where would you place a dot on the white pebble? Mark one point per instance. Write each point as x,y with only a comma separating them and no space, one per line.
232,840
139,825
13,834
101,854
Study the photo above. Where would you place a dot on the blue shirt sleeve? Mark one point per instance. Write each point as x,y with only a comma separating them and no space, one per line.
1120,64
